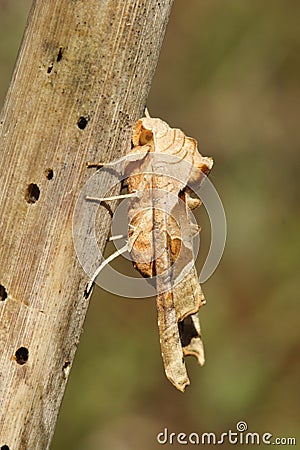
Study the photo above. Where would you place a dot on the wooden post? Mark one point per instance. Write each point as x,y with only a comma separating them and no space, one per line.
81,80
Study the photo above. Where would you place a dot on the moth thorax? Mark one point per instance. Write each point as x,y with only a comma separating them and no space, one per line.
146,136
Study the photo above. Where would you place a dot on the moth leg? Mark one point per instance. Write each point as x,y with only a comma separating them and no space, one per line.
114,197
115,238
130,157
99,165
101,267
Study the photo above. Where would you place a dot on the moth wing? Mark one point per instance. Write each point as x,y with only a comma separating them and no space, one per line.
170,341
188,296
190,335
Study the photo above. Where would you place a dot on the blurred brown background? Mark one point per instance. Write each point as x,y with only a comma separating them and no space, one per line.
228,75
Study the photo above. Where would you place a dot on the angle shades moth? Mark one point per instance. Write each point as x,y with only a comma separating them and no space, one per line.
160,235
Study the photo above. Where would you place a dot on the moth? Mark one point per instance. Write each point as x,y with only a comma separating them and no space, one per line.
160,235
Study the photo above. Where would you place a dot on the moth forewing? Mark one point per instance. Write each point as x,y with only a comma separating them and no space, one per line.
170,341
179,295
162,167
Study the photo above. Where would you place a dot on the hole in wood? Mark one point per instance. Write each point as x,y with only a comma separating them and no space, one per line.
3,293
59,55
82,122
49,174
22,355
66,368
4,447
32,193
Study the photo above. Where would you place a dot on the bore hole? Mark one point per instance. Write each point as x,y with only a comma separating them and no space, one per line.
49,70
82,122
66,369
59,55
49,174
21,355
4,447
3,293
66,364
32,193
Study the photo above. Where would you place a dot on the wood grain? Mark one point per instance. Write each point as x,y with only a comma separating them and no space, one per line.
81,80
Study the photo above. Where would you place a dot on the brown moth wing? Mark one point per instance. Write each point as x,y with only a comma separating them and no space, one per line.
188,296
171,346
152,253
178,338
152,234
158,135
189,326
190,334
170,341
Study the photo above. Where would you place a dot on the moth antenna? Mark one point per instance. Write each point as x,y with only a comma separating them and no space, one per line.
147,114
114,197
101,267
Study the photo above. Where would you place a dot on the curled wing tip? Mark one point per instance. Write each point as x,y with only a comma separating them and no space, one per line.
198,353
180,384
177,375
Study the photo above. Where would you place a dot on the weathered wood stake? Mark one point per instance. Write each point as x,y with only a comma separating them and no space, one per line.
81,80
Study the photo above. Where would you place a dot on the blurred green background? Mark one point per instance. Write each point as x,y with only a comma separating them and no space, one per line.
229,76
